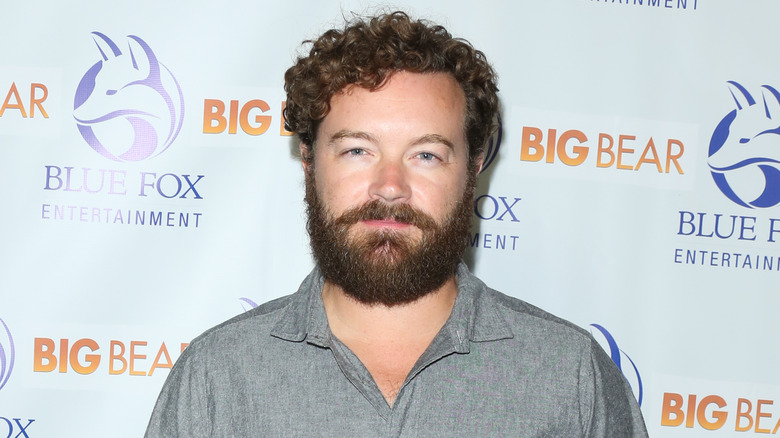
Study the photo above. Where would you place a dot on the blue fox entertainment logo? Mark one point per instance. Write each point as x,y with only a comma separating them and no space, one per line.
7,354
128,106
745,147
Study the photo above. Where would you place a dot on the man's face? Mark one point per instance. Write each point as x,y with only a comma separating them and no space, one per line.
388,191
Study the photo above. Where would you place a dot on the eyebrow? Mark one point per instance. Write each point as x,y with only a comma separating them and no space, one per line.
345,133
434,138
427,138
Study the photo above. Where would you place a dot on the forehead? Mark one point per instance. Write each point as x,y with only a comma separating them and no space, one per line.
431,102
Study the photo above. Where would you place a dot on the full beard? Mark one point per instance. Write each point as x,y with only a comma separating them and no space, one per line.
387,266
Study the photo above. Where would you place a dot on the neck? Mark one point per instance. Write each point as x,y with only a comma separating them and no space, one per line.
388,340
351,320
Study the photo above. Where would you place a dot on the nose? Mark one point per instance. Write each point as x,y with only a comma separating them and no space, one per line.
390,182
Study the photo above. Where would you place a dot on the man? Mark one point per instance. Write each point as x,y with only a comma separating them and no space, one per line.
391,335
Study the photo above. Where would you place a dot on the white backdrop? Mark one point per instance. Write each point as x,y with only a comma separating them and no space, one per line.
600,206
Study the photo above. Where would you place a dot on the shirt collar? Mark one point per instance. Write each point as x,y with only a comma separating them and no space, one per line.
475,315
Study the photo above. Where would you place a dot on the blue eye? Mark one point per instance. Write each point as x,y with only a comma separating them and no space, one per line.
743,140
427,156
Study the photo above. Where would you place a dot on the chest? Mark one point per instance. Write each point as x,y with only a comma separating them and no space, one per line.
457,395
389,368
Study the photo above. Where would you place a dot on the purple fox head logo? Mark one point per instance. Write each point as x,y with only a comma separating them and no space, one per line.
7,354
128,106
745,147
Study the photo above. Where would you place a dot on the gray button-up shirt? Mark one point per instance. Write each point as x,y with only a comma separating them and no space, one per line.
499,367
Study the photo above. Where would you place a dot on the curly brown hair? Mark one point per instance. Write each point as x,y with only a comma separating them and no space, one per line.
367,53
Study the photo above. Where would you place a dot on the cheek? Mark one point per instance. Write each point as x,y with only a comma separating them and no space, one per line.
439,197
338,192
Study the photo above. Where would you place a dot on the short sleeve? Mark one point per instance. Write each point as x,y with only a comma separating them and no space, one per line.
610,410
182,406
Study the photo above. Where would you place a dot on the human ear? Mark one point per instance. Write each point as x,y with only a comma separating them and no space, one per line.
306,156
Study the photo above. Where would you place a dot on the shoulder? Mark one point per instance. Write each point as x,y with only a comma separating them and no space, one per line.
550,344
606,401
497,315
262,315
215,360
527,321
249,330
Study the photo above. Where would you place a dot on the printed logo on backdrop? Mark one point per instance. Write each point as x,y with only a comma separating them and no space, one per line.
744,161
716,411
744,152
494,143
16,427
14,103
496,215
30,101
618,150
7,354
679,5
129,108
244,116
247,304
87,356
617,355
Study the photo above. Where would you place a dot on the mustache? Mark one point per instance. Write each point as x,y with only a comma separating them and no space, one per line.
379,210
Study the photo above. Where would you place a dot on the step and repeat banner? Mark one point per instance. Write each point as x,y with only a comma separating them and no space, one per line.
149,190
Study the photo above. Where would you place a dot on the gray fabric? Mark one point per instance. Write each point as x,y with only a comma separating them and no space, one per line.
499,367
